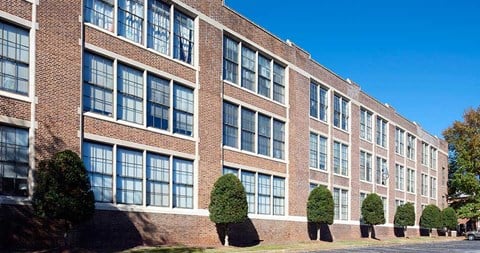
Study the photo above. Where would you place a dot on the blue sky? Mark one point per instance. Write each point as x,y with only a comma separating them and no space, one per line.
421,57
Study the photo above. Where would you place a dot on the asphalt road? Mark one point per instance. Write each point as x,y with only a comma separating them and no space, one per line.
453,246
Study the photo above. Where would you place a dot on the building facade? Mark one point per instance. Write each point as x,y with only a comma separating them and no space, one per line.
160,98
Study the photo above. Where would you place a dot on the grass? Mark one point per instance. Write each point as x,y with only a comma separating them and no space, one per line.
294,247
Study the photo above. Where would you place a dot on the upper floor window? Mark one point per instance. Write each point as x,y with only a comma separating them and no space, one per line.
410,180
14,161
183,33
399,141
433,188
365,125
167,101
340,158
365,166
424,153
318,101
318,151
130,19
411,143
270,191
156,25
100,13
424,185
340,112
14,59
381,174
433,157
340,200
267,133
258,73
399,177
381,133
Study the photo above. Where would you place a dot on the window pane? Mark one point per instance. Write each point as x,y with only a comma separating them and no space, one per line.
230,60
14,59
129,176
98,160
248,130
278,139
264,135
183,40
158,180
183,110
182,183
230,124
158,102
130,19
248,181
158,26
263,76
278,83
100,13
264,194
130,94
248,69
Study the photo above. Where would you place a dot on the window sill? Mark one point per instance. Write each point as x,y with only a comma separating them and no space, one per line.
340,175
23,98
325,122
319,170
366,182
341,129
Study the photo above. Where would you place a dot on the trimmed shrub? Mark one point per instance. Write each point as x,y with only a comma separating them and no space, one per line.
431,217
372,210
449,218
320,208
405,216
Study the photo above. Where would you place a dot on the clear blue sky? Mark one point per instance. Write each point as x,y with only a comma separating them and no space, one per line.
420,56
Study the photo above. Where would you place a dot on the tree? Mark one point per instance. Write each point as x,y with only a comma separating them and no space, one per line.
463,138
228,203
62,190
320,207
405,216
431,217
372,211
449,218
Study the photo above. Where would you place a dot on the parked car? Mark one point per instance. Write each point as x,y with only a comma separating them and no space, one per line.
472,235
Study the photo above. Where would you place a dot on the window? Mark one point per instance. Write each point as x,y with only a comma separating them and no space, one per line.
424,186
385,208
100,13
183,33
158,104
410,147
381,133
399,177
340,112
130,19
98,160
129,176
263,76
399,141
365,166
258,73
318,151
424,153
381,174
248,68
169,180
130,94
410,181
340,158
433,158
265,193
14,59
264,133
340,200
278,139
278,83
363,196
398,203
230,60
248,130
433,188
182,110
14,161
98,85
158,26
318,102
158,180
230,124
182,183
365,124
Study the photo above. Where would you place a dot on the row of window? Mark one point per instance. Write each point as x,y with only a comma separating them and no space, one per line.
318,154
258,132
252,70
429,152
265,193
157,21
14,59
167,105
118,175
425,190
14,165
319,106
381,169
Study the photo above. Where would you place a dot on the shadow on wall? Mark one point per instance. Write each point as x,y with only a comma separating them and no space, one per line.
365,229
48,142
241,234
399,231
325,232
424,231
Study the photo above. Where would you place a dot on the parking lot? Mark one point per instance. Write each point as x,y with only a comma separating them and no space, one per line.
453,246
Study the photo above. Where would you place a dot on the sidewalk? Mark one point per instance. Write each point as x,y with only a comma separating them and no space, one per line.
301,246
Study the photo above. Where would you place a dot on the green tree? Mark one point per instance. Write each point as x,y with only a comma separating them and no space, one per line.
372,211
470,211
228,203
449,218
62,190
463,139
405,216
431,217
320,207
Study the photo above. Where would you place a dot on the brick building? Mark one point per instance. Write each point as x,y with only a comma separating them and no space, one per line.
161,98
